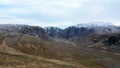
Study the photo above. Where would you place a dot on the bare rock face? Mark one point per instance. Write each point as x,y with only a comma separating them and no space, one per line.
35,31
81,30
98,36
54,32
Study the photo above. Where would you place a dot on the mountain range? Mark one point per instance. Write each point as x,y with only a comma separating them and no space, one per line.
82,29
80,46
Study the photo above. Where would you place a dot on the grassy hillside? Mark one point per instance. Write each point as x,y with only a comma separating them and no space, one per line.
19,50
24,51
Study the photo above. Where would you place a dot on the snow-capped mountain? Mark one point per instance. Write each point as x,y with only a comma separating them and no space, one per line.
95,24
82,29
22,45
35,31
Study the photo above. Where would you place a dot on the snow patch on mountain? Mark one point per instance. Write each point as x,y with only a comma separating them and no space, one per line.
95,24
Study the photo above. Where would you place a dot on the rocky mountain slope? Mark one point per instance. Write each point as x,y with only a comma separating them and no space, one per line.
23,46
98,36
54,32
81,29
35,31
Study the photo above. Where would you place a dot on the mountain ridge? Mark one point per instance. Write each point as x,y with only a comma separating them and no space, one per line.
84,28
35,31
24,46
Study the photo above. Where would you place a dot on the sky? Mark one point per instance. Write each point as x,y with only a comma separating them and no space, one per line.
60,13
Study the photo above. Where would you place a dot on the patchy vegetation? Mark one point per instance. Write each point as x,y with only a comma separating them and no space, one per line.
113,40
30,47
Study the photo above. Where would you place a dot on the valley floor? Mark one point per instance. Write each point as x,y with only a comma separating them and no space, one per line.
30,61
87,58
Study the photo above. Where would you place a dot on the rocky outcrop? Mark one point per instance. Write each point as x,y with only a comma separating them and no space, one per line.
35,31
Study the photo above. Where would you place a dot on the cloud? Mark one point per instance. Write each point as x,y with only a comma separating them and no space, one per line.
58,12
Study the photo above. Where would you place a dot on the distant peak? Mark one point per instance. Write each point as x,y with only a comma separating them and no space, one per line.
95,24
102,23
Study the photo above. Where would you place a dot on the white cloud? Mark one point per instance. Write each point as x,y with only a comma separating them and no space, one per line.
69,12
18,11
15,21
97,10
10,2
34,23
57,8
54,8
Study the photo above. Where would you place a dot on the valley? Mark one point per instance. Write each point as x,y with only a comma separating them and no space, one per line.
24,46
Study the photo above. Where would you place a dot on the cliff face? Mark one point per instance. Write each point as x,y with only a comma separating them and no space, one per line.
81,30
89,35
35,31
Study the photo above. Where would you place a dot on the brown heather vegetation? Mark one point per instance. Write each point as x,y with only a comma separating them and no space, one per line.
19,50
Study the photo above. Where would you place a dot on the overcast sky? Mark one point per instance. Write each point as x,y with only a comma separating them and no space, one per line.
59,12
